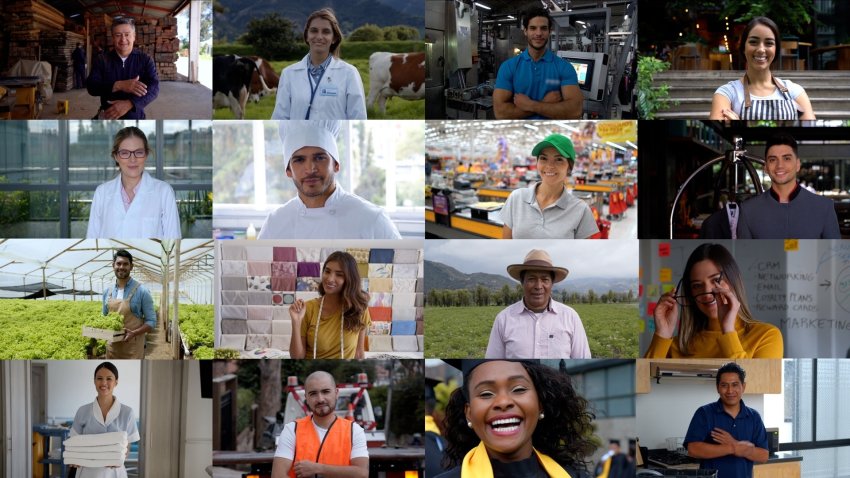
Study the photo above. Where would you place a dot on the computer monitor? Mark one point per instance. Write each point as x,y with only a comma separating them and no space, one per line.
592,72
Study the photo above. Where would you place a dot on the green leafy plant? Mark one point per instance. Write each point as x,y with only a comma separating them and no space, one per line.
111,321
651,99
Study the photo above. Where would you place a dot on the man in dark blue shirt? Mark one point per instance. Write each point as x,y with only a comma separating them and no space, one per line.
125,79
727,435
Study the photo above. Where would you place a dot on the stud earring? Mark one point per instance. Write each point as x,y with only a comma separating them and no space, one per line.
469,424
542,415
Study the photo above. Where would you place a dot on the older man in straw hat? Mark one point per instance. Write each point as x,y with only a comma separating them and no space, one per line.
537,326
322,209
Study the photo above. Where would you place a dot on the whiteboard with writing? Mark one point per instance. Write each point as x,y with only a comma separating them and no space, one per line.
800,286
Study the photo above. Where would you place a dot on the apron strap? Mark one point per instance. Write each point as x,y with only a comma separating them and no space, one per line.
748,102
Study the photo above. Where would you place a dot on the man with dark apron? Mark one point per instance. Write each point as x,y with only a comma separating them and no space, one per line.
132,301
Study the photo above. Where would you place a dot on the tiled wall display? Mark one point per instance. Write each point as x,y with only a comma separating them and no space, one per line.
257,281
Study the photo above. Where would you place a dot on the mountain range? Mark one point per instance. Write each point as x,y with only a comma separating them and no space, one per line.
442,276
350,13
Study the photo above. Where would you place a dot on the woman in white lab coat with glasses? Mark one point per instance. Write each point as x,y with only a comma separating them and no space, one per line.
134,205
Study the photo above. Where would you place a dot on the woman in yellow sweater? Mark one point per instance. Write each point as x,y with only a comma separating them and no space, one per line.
333,325
716,321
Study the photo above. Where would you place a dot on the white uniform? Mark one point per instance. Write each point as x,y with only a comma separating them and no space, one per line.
152,214
89,420
344,216
339,95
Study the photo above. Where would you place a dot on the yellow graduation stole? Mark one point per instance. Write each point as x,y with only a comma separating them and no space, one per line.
431,425
476,464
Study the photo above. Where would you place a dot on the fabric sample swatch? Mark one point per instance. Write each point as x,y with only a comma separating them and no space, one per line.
234,268
405,271
380,285
281,313
283,284
281,327
380,343
258,253
259,283
380,328
404,285
236,341
233,253
363,269
234,326
381,256
380,313
382,271
259,298
404,313
309,269
281,342
380,299
406,256
404,300
260,313
404,327
308,254
307,284
259,326
284,254
327,251
234,312
306,295
234,297
405,343
284,269
257,342
234,283
361,255
259,268
364,285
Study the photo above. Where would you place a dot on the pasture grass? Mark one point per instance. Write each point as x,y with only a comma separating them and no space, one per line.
463,332
397,108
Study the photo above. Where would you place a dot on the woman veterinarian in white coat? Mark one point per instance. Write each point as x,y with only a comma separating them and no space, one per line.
321,86
104,415
134,205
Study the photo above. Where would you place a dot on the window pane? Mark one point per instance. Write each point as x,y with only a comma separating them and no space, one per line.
29,152
90,149
833,419
594,383
79,203
798,399
29,213
621,407
187,152
621,380
195,209
233,180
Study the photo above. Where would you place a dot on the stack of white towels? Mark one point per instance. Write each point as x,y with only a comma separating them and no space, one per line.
95,451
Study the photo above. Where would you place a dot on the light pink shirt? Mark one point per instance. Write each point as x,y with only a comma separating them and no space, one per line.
519,333
126,197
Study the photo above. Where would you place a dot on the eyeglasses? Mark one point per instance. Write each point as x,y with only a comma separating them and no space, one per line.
126,153
701,298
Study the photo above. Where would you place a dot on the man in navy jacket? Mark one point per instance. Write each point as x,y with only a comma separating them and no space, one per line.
124,78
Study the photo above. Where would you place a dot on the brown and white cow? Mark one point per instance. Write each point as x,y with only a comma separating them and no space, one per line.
263,83
395,74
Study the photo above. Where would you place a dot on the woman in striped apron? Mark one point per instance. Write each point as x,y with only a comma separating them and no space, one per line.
758,95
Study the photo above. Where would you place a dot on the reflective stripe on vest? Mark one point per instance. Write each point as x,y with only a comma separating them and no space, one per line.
335,449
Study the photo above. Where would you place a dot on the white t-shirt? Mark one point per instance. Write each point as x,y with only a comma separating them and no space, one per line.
286,443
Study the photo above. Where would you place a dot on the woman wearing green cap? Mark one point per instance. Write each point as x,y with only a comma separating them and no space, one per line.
546,210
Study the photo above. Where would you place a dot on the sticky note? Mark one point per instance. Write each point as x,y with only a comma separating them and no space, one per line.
641,326
665,288
640,290
652,291
664,249
665,274
650,308
650,324
792,245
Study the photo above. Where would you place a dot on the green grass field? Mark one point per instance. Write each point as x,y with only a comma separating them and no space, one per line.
463,332
397,108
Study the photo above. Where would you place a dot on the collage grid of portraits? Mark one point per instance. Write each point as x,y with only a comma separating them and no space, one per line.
439,224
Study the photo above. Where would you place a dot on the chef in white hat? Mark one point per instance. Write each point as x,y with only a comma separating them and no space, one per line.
537,326
322,209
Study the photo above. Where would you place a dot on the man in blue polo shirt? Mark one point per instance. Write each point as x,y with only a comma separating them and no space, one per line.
727,435
537,84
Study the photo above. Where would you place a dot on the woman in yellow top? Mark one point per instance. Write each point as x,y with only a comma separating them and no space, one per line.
716,321
339,317
517,419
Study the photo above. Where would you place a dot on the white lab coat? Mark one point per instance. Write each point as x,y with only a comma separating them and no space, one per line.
89,420
344,216
339,96
152,214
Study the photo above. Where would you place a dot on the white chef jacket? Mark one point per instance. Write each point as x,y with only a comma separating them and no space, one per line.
344,216
152,214
89,420
339,94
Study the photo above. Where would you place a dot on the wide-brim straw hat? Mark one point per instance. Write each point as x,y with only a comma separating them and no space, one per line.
537,260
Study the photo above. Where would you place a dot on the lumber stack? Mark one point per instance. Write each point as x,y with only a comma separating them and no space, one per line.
24,19
57,47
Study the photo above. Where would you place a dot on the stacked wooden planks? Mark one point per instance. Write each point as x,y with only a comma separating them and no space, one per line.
155,37
57,47
23,19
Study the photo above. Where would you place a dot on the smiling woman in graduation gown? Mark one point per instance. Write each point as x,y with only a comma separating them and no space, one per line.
134,205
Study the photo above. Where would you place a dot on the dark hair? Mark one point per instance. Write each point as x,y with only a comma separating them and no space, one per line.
522,274
326,14
122,253
564,435
731,367
123,21
780,139
693,321
746,33
107,366
354,300
128,132
535,12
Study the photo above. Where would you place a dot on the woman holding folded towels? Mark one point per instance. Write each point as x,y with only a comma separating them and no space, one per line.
104,415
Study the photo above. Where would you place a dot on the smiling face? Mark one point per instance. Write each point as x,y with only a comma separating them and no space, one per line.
781,164
760,47
537,289
320,36
731,389
320,393
105,382
333,278
552,166
537,33
131,167
123,36
312,170
122,267
706,277
503,409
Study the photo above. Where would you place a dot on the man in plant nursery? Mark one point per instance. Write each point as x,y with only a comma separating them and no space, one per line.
537,326
134,303
727,435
